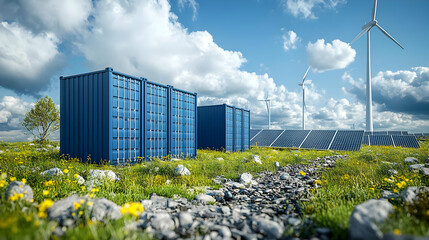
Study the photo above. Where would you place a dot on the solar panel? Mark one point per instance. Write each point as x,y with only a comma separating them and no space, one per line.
254,132
265,138
406,141
379,133
318,139
365,140
347,140
381,140
291,138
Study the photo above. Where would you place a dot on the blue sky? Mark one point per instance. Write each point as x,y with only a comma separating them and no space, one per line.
227,51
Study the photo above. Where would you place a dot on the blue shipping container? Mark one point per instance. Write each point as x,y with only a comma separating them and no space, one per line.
223,127
107,115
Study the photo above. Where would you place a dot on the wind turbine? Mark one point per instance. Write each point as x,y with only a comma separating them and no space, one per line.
267,104
303,97
366,29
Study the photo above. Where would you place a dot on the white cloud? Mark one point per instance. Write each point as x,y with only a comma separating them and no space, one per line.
27,60
192,4
304,8
290,39
405,91
65,16
329,56
12,111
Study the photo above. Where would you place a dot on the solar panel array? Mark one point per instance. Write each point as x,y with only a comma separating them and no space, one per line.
381,140
309,139
254,132
391,140
405,141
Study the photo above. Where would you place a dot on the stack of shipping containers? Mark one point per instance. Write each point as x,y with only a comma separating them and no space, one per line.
223,127
107,115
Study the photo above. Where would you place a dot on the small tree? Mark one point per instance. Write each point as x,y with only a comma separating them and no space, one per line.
43,119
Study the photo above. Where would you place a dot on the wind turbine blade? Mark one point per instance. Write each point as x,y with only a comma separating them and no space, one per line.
305,75
360,34
387,34
374,10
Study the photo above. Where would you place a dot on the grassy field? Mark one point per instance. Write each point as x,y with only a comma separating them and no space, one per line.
361,177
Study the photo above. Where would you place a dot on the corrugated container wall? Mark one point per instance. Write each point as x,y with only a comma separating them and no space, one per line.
107,115
223,127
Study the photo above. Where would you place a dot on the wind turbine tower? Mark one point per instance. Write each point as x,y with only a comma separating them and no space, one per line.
268,105
303,97
366,29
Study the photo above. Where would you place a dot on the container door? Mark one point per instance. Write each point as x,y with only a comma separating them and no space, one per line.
229,129
156,120
246,130
238,129
126,120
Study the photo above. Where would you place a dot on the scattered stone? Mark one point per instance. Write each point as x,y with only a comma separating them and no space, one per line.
16,188
388,195
219,159
293,221
416,167
388,163
276,164
104,209
31,144
411,160
424,171
204,198
392,172
285,176
246,178
256,159
185,219
95,174
410,193
162,221
365,217
56,148
52,172
182,171
271,229
80,179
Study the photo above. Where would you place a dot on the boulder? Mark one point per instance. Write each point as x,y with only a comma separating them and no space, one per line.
424,171
365,217
256,159
246,178
95,174
185,219
416,167
104,209
182,171
52,172
162,221
17,188
410,193
411,160
204,198
80,179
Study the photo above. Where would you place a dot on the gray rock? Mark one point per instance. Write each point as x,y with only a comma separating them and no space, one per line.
246,178
271,229
293,221
276,164
80,179
182,171
219,159
411,160
365,217
162,221
323,231
63,208
95,174
424,171
52,172
204,198
217,194
223,231
285,176
416,167
105,209
185,219
410,193
388,163
228,195
388,195
17,187
256,159
392,172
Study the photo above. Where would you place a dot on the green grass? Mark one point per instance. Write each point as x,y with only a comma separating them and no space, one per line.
350,182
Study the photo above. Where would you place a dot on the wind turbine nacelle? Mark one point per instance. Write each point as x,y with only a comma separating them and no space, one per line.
372,23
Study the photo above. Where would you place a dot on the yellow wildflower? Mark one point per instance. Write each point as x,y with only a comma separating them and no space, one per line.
135,209
89,203
80,212
76,205
12,179
37,223
395,190
318,181
2,183
66,171
427,212
28,218
45,192
47,203
302,173
76,175
81,201
24,180
397,232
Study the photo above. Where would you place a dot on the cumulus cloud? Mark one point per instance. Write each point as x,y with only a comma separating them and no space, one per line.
65,16
192,4
403,91
12,111
290,39
27,60
304,8
329,56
